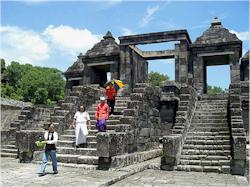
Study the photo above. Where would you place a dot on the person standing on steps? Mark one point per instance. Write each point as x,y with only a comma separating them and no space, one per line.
102,115
51,138
81,118
111,94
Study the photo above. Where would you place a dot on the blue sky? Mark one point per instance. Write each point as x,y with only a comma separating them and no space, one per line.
52,34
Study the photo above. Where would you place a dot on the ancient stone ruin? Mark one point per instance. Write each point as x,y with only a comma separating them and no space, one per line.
199,132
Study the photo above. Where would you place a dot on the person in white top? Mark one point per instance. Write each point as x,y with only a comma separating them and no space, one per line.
81,118
51,138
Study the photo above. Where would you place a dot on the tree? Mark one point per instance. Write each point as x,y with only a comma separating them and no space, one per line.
33,84
212,90
156,78
40,96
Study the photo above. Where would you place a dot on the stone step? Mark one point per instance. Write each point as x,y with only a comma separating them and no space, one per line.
117,109
209,117
5,150
216,169
205,113
72,132
71,143
205,157
139,90
60,112
206,147
207,142
117,105
22,117
9,146
67,106
77,159
206,125
25,112
211,120
211,107
11,155
121,98
71,99
206,152
214,101
142,85
197,137
220,133
78,151
109,122
211,111
72,138
208,129
205,162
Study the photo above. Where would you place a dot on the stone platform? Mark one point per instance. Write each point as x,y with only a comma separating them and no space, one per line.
143,174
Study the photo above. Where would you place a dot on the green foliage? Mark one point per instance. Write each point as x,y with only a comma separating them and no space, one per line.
33,84
212,90
156,78
41,95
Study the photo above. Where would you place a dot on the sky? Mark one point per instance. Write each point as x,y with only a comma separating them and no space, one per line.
52,33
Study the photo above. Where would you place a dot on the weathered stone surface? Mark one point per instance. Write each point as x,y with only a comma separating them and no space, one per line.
26,143
111,144
171,151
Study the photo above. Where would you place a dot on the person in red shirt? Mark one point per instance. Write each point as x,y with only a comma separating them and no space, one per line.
102,115
111,94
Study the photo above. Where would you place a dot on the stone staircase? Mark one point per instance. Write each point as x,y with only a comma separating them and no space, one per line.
30,118
207,145
87,156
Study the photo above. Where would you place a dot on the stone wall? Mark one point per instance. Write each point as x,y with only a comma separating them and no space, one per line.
143,116
10,110
238,137
172,144
245,104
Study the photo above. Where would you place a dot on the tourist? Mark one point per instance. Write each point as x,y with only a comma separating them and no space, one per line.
81,118
111,94
102,115
51,138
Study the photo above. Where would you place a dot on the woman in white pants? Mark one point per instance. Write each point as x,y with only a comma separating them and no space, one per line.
81,118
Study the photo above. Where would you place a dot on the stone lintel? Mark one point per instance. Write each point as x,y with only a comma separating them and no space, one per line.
214,54
101,63
155,37
74,78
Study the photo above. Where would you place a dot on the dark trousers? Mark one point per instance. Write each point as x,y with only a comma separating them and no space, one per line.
111,104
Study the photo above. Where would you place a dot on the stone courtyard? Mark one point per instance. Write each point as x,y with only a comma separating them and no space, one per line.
25,174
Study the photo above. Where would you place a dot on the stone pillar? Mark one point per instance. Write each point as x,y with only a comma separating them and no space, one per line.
25,141
122,66
177,49
183,62
234,68
110,144
171,151
198,73
239,155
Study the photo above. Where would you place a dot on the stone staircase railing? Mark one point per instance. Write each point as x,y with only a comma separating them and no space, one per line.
172,144
238,136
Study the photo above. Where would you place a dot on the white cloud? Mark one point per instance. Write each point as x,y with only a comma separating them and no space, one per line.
149,15
22,45
126,31
37,48
69,39
244,36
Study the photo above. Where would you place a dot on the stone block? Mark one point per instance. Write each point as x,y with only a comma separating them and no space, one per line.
111,144
171,151
239,148
145,132
26,143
